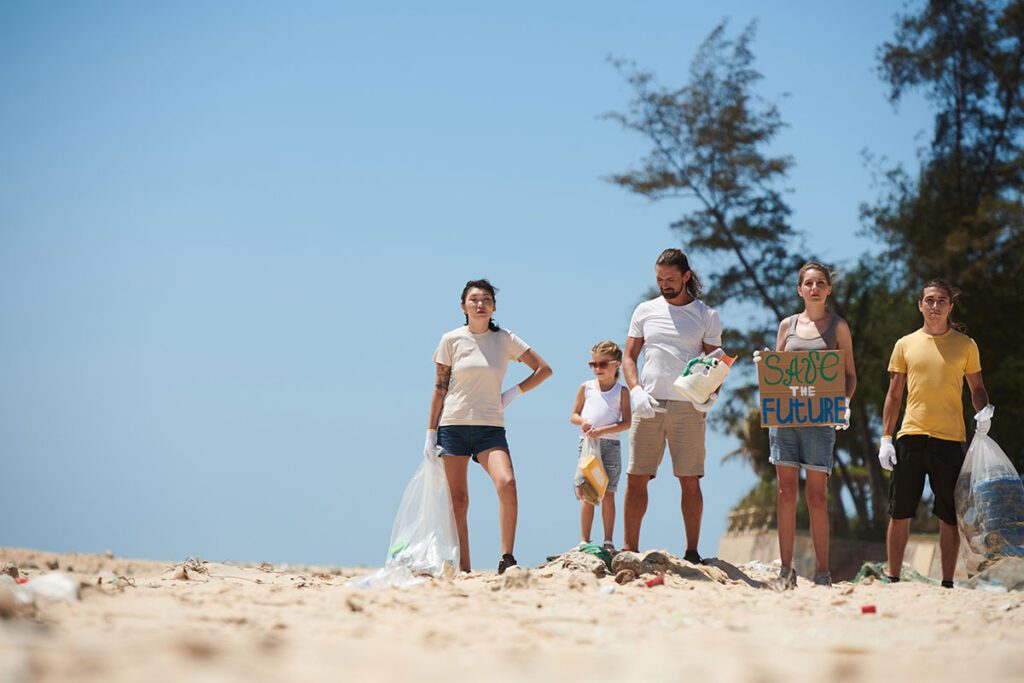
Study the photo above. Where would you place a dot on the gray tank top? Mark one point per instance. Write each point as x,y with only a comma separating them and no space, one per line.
824,341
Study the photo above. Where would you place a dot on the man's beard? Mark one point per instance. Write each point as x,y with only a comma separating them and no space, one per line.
671,293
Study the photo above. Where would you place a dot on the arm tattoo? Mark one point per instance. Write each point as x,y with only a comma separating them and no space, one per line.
444,377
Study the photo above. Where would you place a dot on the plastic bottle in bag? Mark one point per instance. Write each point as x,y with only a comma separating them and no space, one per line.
989,499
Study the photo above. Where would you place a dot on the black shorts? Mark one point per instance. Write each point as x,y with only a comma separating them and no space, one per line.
918,455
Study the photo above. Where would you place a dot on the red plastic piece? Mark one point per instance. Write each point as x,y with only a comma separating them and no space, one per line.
868,609
658,580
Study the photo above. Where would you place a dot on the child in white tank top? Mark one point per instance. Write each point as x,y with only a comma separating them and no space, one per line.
602,410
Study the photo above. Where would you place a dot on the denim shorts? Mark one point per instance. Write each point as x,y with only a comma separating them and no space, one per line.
470,440
611,458
810,447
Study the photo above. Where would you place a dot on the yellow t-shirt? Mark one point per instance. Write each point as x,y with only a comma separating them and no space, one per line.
935,367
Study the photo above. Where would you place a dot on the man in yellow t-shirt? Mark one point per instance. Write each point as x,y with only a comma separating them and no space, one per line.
932,364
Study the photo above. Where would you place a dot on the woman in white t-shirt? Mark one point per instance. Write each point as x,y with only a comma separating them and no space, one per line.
467,410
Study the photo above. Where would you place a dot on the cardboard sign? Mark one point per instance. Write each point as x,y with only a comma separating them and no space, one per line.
802,388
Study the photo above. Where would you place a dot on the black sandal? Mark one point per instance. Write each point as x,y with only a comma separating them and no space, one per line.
506,561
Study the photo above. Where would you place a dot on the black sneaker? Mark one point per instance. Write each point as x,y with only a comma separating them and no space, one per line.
693,557
947,584
506,561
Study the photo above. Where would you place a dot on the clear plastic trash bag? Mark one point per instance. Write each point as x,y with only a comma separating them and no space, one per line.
424,539
989,499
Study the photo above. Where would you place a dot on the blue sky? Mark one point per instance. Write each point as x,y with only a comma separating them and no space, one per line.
231,236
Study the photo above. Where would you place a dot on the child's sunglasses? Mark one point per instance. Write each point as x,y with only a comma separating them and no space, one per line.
600,364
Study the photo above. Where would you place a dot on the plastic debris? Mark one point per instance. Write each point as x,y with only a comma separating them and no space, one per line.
703,375
55,586
188,570
876,571
658,580
598,552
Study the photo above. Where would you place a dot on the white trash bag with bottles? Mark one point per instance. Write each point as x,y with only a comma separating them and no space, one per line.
424,539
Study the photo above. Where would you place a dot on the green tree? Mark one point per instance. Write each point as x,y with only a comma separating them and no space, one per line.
709,141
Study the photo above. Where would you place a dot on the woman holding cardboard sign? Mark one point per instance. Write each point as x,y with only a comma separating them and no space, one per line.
810,447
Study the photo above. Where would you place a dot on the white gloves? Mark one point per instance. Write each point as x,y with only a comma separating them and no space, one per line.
846,417
430,447
707,405
510,395
643,404
983,420
757,355
887,454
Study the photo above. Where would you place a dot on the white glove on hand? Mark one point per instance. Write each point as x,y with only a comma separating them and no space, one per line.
510,395
887,454
643,404
757,355
707,405
430,447
846,417
983,420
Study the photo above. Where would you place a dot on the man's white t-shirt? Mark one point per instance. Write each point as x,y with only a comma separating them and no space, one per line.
478,363
673,335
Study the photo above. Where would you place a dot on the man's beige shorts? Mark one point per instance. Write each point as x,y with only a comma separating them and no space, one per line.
682,426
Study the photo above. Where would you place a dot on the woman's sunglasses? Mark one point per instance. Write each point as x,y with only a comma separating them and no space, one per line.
600,364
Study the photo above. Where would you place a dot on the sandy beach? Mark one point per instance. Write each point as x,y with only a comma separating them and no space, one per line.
141,620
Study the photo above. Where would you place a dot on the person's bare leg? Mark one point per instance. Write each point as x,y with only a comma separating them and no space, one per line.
949,546
455,468
498,465
817,505
636,508
896,543
692,504
586,521
788,480
608,515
